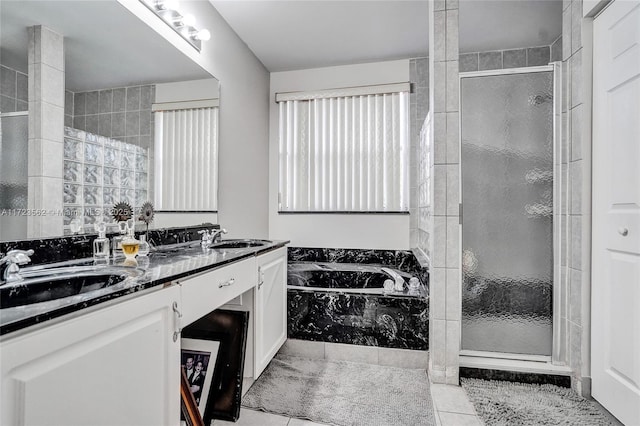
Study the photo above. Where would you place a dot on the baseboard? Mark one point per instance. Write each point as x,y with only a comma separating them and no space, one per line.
402,358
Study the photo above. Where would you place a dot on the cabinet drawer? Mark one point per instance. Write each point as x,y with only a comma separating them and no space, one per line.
208,291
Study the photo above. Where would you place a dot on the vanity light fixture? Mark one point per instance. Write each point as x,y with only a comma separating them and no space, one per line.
169,12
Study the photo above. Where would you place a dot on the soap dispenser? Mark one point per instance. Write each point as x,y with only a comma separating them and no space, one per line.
130,245
101,244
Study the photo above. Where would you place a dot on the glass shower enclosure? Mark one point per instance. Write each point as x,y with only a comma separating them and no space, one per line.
13,175
507,159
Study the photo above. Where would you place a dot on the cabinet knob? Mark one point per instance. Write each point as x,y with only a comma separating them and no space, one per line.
623,231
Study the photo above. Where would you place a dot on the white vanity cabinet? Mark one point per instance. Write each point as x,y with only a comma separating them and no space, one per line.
270,319
116,365
119,363
266,276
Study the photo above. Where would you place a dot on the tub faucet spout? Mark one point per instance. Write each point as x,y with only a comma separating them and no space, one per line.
397,279
12,260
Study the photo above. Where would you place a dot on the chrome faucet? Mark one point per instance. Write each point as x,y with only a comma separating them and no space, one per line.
13,259
216,233
209,236
206,238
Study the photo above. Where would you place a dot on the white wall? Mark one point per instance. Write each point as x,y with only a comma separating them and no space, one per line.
244,123
191,90
171,220
374,231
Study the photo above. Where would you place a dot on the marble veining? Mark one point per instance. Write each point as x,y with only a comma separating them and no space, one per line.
157,269
403,260
336,295
60,249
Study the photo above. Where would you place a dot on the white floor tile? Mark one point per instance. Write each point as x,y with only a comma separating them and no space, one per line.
256,418
452,399
457,419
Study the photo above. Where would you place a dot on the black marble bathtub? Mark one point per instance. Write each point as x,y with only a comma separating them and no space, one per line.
338,295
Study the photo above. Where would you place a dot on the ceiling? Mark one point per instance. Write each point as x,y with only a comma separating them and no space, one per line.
105,44
295,34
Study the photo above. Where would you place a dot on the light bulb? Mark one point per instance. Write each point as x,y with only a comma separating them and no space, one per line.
203,35
189,20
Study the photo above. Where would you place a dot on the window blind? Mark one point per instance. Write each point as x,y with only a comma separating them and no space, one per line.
186,163
347,153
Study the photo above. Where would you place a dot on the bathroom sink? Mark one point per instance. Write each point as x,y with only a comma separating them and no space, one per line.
42,285
236,244
173,250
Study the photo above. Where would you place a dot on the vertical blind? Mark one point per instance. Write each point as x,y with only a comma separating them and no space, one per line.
186,150
344,153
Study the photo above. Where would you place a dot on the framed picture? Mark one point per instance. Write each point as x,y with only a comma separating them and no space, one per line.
230,329
198,360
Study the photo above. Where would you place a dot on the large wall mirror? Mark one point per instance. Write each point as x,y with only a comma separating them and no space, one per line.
98,109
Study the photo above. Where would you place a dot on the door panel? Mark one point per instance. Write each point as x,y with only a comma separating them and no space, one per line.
507,227
271,309
615,330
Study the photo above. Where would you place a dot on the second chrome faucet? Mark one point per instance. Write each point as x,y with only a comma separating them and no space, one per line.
209,237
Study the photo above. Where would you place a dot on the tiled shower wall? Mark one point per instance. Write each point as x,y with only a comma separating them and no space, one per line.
421,210
123,113
444,285
13,90
515,58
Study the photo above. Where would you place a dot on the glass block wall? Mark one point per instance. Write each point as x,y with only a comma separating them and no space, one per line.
100,172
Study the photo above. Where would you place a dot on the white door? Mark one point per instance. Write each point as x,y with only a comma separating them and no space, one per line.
271,307
615,302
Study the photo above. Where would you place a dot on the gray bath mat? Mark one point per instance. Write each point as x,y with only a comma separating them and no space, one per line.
342,393
504,403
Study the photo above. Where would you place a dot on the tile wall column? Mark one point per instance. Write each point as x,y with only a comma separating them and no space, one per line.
576,128
445,292
46,126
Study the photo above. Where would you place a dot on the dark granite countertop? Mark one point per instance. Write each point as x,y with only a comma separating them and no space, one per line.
156,270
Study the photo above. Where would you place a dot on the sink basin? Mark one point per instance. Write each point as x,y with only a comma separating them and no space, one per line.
42,285
173,250
236,244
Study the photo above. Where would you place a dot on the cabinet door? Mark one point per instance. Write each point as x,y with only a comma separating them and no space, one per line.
271,307
117,365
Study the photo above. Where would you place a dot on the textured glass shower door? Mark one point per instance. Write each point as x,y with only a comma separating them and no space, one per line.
13,175
507,229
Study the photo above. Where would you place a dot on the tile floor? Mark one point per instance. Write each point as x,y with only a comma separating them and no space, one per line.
451,404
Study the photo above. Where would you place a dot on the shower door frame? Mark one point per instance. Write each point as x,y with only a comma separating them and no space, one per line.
557,362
